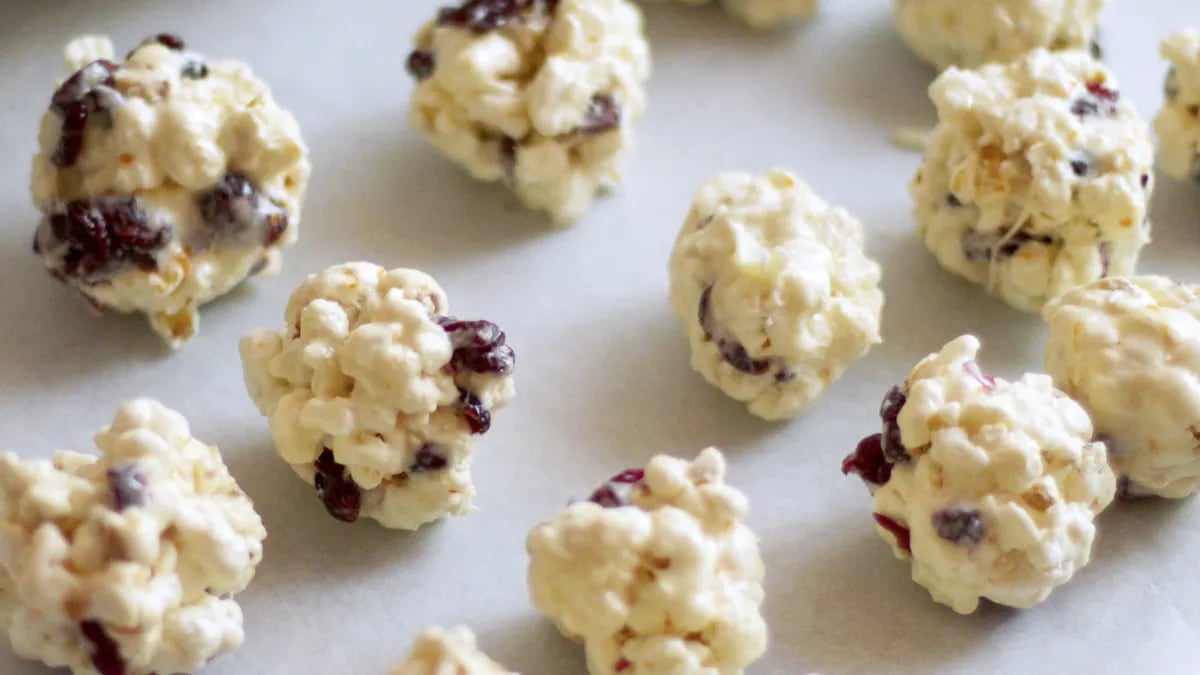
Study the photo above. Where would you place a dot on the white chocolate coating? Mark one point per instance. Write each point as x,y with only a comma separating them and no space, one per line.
1178,123
1036,179
1013,469
519,103
763,14
970,34
438,651
1128,350
173,126
151,567
790,297
362,368
669,583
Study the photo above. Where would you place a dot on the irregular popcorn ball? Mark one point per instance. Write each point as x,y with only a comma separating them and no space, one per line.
374,394
540,94
126,564
1036,179
989,487
448,652
774,291
655,572
1128,350
948,33
1178,123
164,180
763,14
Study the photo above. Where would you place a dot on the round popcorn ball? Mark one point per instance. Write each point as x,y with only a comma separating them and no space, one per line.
448,652
990,488
164,180
1128,350
774,291
655,573
763,14
540,94
1178,123
948,33
126,563
374,395
1036,179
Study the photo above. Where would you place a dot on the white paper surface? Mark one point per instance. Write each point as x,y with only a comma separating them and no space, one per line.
602,373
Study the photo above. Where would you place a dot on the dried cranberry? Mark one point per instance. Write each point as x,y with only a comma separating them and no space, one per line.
867,461
622,665
731,351
963,527
603,114
892,445
1081,165
898,531
479,347
420,64
478,417
953,200
106,656
482,16
234,209
618,490
339,493
429,458
1098,100
170,41
128,486
75,101
96,239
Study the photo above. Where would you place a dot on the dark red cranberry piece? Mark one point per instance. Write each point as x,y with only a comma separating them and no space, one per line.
622,665
603,114
1080,166
731,351
235,209
963,527
479,347
339,493
478,417
898,531
106,656
1099,100
482,16
420,64
128,486
429,458
170,41
867,461
617,491
75,101
95,239
891,443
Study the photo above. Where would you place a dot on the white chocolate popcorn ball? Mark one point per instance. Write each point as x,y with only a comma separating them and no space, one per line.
448,652
126,563
540,94
374,395
990,488
774,291
655,573
1178,123
763,14
164,180
1036,179
970,34
1128,350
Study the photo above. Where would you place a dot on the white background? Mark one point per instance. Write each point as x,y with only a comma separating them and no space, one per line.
603,376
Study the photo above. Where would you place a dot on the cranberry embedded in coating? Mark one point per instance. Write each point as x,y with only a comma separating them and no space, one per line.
128,486
479,347
953,200
900,532
1099,99
617,491
75,101
1080,167
170,41
1129,491
732,352
478,417
420,64
235,209
429,458
340,494
889,411
963,527
97,238
106,656
482,16
603,114
622,665
867,461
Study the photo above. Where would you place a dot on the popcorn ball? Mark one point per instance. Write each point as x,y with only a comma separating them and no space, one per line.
539,94
164,180
990,488
1178,123
375,395
126,563
1036,179
763,13
448,652
655,573
1128,350
774,291
970,34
